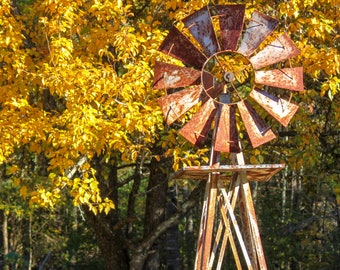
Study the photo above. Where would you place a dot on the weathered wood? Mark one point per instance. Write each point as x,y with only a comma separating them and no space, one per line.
261,173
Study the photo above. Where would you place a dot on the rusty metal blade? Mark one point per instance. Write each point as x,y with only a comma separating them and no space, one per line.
257,130
197,129
175,105
180,47
201,27
259,27
231,19
226,136
212,89
279,50
172,76
207,80
280,109
287,78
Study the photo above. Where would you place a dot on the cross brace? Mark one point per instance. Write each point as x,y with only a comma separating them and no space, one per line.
228,229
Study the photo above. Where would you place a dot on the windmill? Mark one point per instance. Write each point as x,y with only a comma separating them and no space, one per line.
226,68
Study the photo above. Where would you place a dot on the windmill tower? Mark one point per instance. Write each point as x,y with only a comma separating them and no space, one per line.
226,68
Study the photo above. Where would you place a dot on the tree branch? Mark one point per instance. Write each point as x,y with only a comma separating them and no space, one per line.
148,241
74,169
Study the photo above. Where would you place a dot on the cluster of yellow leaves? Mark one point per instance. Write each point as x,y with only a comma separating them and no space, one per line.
182,153
315,26
96,66
87,192
191,157
10,28
76,80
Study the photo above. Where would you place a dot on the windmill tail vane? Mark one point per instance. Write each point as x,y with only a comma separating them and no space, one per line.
228,67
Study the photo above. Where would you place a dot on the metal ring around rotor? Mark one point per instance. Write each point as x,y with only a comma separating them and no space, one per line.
228,75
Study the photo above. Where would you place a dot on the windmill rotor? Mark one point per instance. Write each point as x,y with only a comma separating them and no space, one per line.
229,60
227,67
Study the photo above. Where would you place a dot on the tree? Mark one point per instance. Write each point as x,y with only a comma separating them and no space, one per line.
79,116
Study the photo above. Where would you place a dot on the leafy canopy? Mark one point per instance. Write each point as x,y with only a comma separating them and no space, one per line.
76,84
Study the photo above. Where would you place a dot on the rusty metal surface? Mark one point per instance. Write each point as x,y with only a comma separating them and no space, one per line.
197,129
259,27
280,109
180,47
257,130
172,76
211,89
279,50
175,105
231,18
207,80
201,27
287,78
261,172
227,137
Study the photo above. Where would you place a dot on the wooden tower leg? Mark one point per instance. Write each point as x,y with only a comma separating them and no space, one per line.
207,224
246,198
249,239
249,220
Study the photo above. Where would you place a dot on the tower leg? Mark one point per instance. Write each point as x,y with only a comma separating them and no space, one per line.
255,237
207,224
248,235
249,220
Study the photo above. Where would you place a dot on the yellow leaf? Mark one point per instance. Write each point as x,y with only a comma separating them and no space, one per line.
23,192
13,169
16,182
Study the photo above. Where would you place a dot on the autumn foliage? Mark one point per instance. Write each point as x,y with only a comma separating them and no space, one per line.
76,94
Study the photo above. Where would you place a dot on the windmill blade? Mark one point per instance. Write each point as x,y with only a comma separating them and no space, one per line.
259,27
180,47
287,78
197,129
231,19
208,83
257,130
280,109
227,139
201,27
279,50
175,105
172,76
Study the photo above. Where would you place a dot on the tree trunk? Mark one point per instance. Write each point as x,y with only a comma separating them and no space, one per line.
109,235
172,235
5,236
190,240
5,233
120,253
155,209
111,242
30,251
284,195
132,200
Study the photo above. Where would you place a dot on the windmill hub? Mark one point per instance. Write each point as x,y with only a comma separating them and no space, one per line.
229,76
231,69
